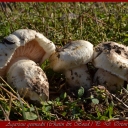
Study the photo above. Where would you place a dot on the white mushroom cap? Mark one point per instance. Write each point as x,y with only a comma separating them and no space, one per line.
112,57
110,81
24,43
72,55
29,79
78,76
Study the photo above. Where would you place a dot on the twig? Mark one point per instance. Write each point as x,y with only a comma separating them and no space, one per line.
61,86
56,112
10,105
2,97
119,118
13,95
8,91
15,108
100,21
5,114
119,100
125,90
60,115
24,92
55,116
7,85
38,116
58,89
23,111
12,90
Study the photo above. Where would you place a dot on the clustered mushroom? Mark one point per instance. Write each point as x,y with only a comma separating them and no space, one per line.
23,51
112,58
20,54
71,60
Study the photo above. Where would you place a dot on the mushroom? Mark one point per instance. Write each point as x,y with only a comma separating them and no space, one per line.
112,57
29,79
71,60
110,81
19,53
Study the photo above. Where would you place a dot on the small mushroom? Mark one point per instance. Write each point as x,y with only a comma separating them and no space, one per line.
112,57
30,45
71,60
110,81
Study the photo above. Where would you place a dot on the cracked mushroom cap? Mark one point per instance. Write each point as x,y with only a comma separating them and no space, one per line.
78,76
112,57
73,54
110,81
24,43
29,79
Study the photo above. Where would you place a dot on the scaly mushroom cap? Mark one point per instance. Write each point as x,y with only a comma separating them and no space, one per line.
24,43
72,55
110,81
112,57
29,79
78,76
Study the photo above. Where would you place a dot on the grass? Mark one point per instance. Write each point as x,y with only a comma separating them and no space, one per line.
61,22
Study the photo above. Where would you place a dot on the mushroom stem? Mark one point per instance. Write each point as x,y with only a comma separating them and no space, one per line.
110,81
29,79
78,76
